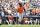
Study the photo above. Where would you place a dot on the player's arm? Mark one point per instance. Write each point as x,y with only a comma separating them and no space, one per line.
24,8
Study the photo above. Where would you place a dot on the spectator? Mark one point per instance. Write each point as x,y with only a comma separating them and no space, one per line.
3,17
26,6
6,10
10,19
37,10
34,11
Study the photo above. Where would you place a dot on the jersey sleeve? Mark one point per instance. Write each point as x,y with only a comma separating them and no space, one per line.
23,7
18,9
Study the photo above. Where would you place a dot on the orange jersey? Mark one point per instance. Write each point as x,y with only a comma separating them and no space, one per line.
26,19
20,9
34,12
10,17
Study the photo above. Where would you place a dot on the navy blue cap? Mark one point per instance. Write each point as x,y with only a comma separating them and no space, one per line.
20,3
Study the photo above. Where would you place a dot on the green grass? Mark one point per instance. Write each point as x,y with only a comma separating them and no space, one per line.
20,26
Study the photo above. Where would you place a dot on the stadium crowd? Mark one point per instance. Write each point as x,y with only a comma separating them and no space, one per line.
8,7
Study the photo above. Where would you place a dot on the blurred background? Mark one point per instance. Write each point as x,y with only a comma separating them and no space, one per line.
31,15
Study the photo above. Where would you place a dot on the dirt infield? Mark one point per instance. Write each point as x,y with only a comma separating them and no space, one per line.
20,25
